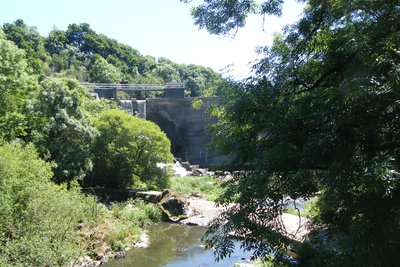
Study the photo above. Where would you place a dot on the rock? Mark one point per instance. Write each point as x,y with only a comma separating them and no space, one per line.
187,166
149,196
199,172
205,211
194,167
174,206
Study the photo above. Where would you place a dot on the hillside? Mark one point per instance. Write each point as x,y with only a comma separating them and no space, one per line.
79,52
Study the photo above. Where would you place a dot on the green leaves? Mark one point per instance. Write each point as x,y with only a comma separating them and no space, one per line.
320,116
103,72
38,219
127,151
60,127
15,84
226,17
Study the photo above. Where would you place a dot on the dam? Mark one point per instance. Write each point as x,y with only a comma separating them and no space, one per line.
184,125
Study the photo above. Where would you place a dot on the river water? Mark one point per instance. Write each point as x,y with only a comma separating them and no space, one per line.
176,245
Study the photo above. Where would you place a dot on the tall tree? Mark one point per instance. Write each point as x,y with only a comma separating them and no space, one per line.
29,39
60,128
104,72
15,85
320,115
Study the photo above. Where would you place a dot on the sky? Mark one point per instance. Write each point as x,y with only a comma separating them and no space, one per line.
159,28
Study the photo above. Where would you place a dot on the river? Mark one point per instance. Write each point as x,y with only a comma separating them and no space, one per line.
174,245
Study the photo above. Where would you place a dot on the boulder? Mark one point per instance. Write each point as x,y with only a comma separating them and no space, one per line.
187,166
174,206
149,196
199,172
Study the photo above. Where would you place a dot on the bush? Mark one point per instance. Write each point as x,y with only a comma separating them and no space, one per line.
128,219
38,219
127,151
203,184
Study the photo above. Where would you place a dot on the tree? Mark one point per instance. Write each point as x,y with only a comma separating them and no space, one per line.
61,129
104,72
15,84
127,152
320,115
29,39
221,17
56,42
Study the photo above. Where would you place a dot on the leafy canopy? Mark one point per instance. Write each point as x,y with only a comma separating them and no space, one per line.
15,84
320,115
61,129
127,151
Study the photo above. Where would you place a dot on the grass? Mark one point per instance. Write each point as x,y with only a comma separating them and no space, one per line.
308,211
205,185
128,220
119,227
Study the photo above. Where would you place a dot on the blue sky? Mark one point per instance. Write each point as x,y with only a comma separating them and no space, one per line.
160,28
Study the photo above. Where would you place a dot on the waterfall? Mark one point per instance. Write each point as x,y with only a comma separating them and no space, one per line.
141,108
127,105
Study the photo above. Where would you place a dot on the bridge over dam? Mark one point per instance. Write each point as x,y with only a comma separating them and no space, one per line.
184,125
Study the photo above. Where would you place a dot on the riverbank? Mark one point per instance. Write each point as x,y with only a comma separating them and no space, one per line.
176,245
179,244
199,213
205,211
119,228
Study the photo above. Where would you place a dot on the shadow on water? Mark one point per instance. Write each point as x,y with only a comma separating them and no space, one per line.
174,245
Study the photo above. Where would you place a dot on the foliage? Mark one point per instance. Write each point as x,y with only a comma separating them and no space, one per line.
104,72
127,151
207,185
129,219
38,219
28,39
197,103
309,209
221,17
94,107
60,129
80,53
320,115
15,83
44,224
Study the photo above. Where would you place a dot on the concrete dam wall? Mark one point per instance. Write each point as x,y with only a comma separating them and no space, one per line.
184,125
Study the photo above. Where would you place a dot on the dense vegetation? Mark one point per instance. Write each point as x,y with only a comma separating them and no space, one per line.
55,138
80,53
205,185
126,152
44,224
320,115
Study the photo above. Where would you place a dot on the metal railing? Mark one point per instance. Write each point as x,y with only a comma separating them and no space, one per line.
133,87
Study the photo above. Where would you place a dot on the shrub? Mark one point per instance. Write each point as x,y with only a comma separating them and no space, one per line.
128,219
38,218
127,151
203,184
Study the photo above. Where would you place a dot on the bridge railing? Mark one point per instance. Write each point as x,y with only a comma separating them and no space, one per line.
133,87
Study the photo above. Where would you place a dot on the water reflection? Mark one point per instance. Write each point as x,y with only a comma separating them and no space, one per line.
174,245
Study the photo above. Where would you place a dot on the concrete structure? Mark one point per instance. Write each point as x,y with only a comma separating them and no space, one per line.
184,125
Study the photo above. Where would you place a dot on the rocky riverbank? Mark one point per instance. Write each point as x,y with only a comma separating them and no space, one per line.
197,211
193,210
204,211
